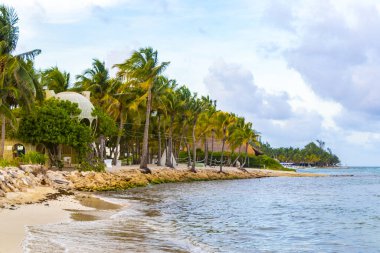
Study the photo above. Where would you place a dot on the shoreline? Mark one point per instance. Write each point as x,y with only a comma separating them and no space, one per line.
56,204
77,207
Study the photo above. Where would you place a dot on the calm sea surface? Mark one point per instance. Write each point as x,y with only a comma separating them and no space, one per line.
331,214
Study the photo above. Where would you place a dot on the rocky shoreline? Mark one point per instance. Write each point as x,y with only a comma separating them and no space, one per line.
29,177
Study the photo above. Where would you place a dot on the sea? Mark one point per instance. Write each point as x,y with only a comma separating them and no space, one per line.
339,213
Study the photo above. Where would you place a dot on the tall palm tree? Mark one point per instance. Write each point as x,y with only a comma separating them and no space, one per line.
97,80
16,79
206,125
197,106
162,87
144,67
121,98
224,122
174,105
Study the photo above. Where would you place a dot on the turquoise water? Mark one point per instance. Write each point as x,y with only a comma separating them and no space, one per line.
340,213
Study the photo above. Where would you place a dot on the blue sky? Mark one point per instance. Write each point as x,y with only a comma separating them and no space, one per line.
299,70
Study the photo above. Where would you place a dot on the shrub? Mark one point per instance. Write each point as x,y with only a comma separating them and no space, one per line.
33,157
95,166
7,163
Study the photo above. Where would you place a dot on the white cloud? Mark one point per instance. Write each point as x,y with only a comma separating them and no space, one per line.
56,11
234,89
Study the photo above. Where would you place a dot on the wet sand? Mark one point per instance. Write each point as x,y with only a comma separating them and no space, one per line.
13,222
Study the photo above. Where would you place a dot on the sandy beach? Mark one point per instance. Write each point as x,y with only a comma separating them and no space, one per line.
15,218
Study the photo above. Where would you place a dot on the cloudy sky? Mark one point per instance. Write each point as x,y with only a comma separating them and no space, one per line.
300,70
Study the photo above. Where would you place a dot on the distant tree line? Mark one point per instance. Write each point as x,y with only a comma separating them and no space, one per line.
313,154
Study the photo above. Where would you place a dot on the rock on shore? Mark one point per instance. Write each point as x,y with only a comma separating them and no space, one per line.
26,177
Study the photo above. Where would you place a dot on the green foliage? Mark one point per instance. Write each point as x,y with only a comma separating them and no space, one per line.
9,163
55,122
312,154
96,166
106,125
33,157
55,79
253,161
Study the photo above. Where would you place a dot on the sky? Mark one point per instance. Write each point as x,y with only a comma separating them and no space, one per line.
300,70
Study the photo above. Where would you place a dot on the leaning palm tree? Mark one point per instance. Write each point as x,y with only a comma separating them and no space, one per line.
143,66
17,83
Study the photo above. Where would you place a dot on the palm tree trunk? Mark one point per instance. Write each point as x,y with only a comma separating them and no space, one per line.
102,147
2,144
237,158
221,157
169,161
144,156
159,142
180,142
206,151
194,149
188,154
116,153
246,156
212,147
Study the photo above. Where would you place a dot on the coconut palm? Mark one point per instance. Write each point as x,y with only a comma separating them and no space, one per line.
174,105
224,122
56,80
161,89
143,66
205,124
17,81
121,99
197,106
95,79
250,137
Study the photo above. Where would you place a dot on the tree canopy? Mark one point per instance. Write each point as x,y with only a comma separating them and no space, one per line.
53,123
313,154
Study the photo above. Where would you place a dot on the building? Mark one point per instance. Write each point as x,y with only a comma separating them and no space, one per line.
15,148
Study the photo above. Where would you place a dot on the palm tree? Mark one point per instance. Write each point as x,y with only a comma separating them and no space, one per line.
17,81
174,105
144,67
224,122
95,79
197,106
236,137
55,79
162,90
206,125
121,98
250,138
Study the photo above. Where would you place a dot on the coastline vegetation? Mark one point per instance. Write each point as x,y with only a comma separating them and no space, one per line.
313,154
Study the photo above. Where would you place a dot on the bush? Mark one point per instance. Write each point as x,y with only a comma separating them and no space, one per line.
95,166
33,157
8,163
